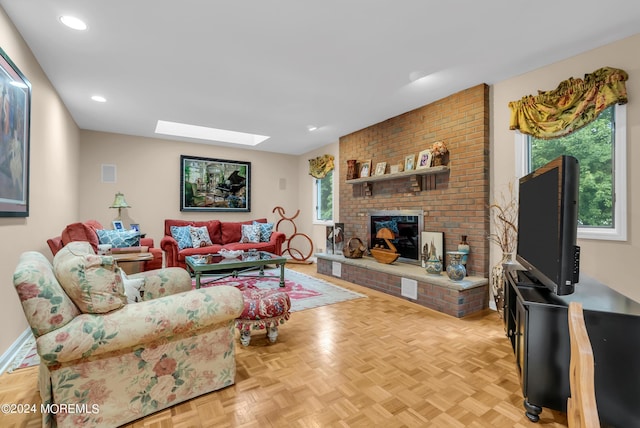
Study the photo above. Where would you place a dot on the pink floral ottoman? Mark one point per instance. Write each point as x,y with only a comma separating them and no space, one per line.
263,310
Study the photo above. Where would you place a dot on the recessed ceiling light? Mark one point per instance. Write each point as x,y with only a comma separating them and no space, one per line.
73,22
312,127
204,133
99,99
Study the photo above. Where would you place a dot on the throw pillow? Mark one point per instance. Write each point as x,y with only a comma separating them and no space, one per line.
132,287
250,233
265,231
199,236
119,238
89,280
182,234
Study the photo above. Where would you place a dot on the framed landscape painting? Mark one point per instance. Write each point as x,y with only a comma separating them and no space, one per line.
15,113
214,184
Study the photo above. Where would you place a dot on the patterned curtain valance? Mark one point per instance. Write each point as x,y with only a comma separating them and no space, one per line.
572,105
320,166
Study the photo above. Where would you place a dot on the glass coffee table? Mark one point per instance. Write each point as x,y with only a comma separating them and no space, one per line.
215,265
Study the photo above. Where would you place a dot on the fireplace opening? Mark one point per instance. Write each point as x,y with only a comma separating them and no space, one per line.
406,226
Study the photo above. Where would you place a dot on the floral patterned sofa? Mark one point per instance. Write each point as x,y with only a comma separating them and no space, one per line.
185,238
111,361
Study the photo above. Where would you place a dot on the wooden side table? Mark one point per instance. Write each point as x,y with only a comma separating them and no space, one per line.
132,262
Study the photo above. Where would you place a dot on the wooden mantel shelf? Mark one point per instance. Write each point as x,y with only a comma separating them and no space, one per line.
415,175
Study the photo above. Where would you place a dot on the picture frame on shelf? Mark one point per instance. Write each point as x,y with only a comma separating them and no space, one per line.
394,169
15,102
424,159
381,168
365,168
208,184
437,238
409,162
135,226
117,225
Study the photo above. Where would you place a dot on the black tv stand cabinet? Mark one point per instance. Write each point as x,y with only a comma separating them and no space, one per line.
536,324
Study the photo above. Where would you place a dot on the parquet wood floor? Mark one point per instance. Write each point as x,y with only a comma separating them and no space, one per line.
374,362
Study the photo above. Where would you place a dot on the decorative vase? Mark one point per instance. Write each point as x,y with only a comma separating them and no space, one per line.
437,160
455,269
433,265
352,171
497,282
464,248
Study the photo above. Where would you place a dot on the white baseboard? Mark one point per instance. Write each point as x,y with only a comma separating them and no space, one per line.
10,354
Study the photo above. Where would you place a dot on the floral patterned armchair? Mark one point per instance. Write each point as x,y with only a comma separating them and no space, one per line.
110,362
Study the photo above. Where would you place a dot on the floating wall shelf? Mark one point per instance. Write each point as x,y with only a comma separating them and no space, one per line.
416,177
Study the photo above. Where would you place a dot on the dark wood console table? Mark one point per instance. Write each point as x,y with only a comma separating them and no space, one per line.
536,324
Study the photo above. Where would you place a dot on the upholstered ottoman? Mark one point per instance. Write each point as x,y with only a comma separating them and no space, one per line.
263,310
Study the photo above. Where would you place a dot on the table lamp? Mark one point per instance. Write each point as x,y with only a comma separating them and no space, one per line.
119,202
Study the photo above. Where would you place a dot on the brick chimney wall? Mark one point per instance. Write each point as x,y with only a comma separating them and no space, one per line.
455,202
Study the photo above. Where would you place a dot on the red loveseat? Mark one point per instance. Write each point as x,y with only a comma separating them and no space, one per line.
223,234
86,231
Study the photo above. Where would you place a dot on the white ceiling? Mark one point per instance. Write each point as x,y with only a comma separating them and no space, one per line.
275,67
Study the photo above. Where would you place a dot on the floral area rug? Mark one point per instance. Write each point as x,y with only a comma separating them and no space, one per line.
305,292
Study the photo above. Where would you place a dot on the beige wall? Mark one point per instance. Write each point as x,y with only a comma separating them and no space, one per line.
53,198
148,173
317,232
608,261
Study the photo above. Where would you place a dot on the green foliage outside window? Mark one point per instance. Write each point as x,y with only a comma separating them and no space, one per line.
593,146
325,197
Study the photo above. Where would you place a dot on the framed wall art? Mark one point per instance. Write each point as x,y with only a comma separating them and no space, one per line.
214,184
15,114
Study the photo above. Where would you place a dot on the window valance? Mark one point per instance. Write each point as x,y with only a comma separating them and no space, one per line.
572,105
319,167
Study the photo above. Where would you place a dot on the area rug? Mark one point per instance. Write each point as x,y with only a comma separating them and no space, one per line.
26,357
305,292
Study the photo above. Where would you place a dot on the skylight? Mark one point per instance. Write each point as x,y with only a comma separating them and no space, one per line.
204,133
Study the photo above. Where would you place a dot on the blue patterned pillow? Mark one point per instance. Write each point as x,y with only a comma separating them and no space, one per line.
182,234
119,238
265,231
250,233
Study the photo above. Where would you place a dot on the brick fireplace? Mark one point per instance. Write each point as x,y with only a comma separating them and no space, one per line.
454,202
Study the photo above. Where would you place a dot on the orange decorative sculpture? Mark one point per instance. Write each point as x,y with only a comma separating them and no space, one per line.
385,255
295,254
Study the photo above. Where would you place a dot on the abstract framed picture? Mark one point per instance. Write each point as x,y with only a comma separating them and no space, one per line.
15,116
208,184
433,241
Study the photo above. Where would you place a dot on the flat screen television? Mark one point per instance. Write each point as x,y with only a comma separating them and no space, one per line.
548,225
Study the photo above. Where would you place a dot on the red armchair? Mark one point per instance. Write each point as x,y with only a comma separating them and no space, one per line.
87,232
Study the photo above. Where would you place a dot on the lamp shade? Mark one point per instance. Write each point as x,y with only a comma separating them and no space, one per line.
119,202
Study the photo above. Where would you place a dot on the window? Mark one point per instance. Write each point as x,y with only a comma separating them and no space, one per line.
324,198
600,148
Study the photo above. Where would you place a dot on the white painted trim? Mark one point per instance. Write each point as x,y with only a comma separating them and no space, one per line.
10,354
